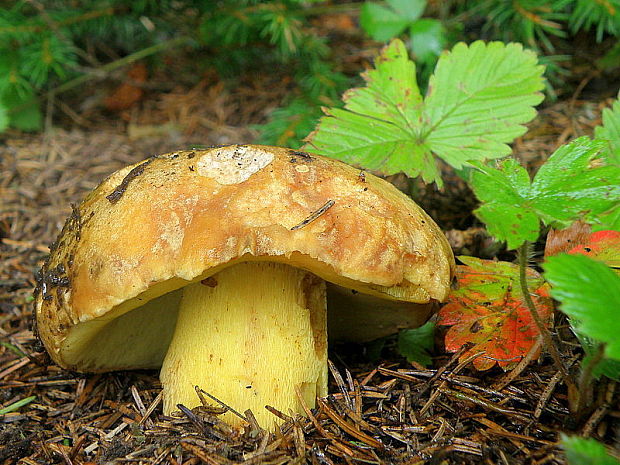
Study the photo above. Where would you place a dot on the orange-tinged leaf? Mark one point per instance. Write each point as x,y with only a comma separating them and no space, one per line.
128,93
489,313
603,246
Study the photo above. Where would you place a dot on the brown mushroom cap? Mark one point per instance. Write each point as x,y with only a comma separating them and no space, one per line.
153,227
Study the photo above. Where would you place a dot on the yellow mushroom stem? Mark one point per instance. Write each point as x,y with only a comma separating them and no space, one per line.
249,335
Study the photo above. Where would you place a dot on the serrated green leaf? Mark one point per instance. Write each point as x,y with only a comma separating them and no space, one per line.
610,132
409,9
504,194
373,144
427,39
589,293
479,98
581,451
392,93
416,344
609,221
376,130
386,128
568,187
381,23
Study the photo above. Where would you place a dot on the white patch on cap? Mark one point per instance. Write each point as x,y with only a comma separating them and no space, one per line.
234,164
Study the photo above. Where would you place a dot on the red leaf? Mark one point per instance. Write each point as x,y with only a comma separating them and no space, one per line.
577,239
488,312
603,246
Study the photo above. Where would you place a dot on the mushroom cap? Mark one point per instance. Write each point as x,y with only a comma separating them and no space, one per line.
151,228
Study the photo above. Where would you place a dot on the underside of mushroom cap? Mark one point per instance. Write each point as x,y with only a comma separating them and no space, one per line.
152,228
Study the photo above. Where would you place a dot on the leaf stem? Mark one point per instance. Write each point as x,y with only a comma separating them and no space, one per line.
546,335
585,380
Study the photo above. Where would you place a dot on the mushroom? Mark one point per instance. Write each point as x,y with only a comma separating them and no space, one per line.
212,264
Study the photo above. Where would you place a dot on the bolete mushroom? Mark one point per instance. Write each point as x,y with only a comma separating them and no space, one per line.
212,264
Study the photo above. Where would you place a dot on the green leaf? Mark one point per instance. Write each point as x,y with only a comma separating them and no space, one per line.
4,117
608,221
580,451
610,132
606,367
409,9
387,128
479,98
376,129
415,344
427,39
589,293
381,23
392,93
568,187
504,194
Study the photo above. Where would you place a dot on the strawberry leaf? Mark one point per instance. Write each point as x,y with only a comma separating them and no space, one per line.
477,102
589,293
580,451
603,246
504,194
488,311
571,185
606,367
610,132
376,131
416,344
479,98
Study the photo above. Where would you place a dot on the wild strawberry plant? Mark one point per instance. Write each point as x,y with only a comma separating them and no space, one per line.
479,97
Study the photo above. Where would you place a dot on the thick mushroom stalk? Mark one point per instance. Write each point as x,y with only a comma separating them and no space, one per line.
250,335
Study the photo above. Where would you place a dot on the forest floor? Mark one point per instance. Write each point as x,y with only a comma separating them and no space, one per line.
382,412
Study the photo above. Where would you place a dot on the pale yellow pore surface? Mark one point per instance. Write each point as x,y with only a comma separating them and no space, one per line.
249,335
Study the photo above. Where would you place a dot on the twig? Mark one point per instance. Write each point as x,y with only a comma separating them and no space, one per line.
525,361
483,403
309,413
340,382
201,392
152,407
313,216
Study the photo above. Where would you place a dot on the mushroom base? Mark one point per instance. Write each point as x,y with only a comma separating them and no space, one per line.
251,336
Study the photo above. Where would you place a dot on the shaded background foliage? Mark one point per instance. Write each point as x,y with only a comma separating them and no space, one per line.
49,47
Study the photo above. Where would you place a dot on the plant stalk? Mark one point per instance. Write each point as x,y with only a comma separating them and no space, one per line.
585,380
550,345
